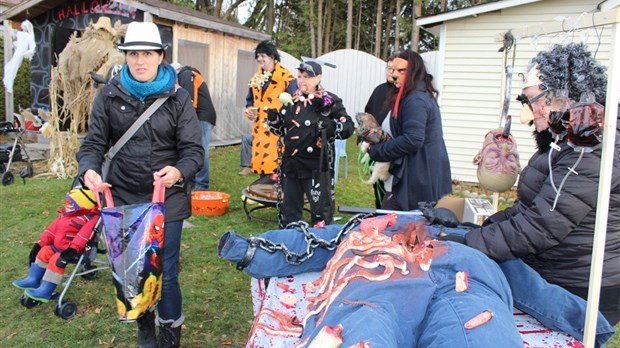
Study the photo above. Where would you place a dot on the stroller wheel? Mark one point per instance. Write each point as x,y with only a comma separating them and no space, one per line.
28,302
7,178
66,310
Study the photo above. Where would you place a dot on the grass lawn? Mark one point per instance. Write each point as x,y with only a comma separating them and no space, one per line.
216,296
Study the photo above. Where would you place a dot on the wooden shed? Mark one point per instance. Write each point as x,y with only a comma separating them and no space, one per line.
223,51
469,74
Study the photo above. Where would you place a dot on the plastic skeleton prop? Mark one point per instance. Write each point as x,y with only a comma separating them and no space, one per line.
24,46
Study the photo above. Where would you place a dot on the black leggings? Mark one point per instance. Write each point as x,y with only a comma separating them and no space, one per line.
609,304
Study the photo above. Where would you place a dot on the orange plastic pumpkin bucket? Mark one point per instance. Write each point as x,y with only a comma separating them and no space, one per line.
209,203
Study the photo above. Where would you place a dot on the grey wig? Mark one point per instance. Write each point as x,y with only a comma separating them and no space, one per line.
573,68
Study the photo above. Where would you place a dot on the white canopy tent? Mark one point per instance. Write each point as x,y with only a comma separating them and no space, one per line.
590,20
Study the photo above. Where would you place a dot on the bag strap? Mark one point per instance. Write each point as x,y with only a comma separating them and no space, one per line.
159,191
134,128
107,195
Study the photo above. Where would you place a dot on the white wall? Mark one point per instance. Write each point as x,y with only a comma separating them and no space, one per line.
355,77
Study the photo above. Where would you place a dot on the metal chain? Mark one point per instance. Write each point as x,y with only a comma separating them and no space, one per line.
280,132
312,239
279,179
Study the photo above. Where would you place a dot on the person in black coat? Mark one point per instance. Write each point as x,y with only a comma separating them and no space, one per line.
420,166
193,81
167,147
377,108
308,125
551,225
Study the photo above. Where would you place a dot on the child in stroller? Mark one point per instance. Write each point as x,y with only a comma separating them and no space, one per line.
61,242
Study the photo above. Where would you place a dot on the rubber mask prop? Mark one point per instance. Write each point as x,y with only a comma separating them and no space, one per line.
527,112
526,116
399,66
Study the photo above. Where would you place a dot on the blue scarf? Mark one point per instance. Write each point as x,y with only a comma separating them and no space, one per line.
165,81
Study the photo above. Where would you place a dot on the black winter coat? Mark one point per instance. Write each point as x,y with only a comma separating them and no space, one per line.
556,243
171,136
417,151
301,125
376,103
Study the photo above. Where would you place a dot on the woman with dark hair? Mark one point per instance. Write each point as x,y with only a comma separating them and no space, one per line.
167,147
420,166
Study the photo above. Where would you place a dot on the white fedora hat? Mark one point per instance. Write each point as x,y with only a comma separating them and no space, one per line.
141,36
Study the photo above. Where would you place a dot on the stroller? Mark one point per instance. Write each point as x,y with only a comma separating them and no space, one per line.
10,153
87,265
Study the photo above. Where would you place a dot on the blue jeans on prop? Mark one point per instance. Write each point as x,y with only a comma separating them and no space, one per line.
202,177
169,307
566,312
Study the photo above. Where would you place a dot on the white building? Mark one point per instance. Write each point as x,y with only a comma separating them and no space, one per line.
469,73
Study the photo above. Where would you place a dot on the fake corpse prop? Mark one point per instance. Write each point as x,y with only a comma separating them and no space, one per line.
389,283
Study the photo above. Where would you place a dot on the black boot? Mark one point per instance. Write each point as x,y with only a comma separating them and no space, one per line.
147,337
169,336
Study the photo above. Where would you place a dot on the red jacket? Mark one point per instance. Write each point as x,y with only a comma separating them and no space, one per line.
70,230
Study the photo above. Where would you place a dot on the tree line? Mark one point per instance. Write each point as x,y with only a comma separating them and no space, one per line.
315,27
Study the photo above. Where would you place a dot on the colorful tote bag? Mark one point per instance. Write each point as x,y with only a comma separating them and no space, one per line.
135,239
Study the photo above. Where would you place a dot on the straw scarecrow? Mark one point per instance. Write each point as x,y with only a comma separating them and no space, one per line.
72,89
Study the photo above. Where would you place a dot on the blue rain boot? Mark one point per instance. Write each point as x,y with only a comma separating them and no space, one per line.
33,279
43,293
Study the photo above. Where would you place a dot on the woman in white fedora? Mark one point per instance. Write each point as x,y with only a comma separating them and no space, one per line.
167,146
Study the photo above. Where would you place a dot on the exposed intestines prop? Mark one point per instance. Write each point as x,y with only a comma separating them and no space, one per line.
286,326
370,255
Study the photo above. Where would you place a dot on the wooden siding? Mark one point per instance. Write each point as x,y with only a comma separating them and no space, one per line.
472,70
221,77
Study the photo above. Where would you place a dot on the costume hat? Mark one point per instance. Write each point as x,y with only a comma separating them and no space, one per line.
311,68
141,36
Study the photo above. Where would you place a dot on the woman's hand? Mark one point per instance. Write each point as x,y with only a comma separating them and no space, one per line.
169,176
93,181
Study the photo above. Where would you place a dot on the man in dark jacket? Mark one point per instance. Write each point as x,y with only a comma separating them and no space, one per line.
190,79
551,226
